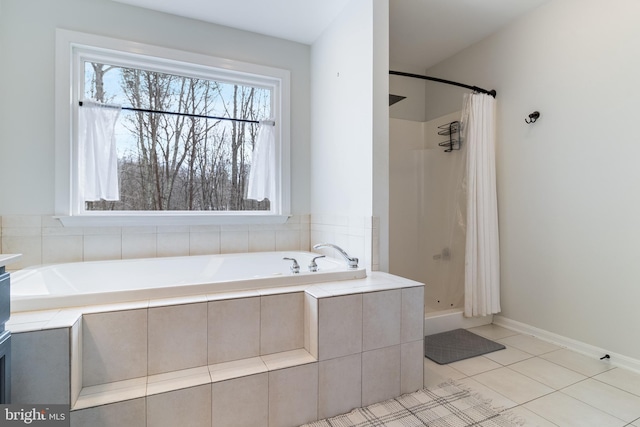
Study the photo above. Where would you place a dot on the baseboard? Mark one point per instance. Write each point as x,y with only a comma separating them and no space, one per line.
615,359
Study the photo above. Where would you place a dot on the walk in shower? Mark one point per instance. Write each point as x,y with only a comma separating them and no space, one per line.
443,210
427,236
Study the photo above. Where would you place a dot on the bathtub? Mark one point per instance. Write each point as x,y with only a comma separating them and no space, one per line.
105,282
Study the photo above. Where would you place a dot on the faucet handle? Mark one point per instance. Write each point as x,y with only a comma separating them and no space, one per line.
295,267
313,267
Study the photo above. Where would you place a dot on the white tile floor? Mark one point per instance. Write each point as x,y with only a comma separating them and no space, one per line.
545,385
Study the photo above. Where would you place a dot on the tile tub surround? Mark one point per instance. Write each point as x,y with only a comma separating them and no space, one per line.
321,338
43,240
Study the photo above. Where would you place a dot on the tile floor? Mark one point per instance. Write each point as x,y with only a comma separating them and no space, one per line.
544,384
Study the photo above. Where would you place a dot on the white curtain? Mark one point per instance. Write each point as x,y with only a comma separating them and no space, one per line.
97,157
262,179
482,262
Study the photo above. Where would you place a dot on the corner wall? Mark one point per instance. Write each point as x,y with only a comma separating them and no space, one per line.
345,90
568,184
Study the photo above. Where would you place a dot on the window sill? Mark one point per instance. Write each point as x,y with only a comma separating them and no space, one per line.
132,220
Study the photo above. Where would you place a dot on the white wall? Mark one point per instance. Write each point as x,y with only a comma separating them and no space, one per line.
348,90
567,185
413,107
341,114
27,87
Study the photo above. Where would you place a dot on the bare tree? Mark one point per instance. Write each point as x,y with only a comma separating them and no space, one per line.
177,161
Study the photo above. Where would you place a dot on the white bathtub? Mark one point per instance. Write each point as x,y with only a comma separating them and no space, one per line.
104,282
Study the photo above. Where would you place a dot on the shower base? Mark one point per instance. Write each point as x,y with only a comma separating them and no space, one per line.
448,320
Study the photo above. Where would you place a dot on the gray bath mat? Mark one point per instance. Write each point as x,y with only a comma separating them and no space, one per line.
459,344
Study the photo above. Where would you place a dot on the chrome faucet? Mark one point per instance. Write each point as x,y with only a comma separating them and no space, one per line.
313,266
295,267
351,261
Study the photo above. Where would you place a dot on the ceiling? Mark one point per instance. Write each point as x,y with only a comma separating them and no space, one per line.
421,32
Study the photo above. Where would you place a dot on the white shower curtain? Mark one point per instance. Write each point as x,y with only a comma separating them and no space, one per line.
97,156
262,179
482,262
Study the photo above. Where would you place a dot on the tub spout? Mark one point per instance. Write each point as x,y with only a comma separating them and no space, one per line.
352,262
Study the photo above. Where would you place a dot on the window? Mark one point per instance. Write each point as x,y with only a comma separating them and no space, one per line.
185,134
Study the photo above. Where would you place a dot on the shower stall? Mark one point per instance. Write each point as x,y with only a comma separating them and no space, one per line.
427,199
427,235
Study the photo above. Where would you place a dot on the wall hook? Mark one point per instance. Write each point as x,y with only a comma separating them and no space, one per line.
533,117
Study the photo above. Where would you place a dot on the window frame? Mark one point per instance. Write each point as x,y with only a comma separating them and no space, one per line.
73,47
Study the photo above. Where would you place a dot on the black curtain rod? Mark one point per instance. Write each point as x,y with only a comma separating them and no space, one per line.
449,82
173,113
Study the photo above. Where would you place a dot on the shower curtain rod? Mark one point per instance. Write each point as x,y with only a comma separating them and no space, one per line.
173,113
449,82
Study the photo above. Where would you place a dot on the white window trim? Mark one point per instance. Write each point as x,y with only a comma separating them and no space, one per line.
66,115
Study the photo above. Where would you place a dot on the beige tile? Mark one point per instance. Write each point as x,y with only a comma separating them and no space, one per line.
32,316
232,241
497,399
172,244
529,344
508,356
138,245
25,327
29,246
435,374
281,323
492,332
188,407
177,337
287,359
128,413
380,374
262,240
241,402
339,326
108,340
107,230
339,385
609,399
59,249
65,318
289,240
530,419
513,385
102,246
21,221
293,396
204,242
411,366
76,361
187,299
237,369
40,367
585,365
564,410
177,380
104,394
412,320
381,319
475,365
547,373
311,324
621,378
233,329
